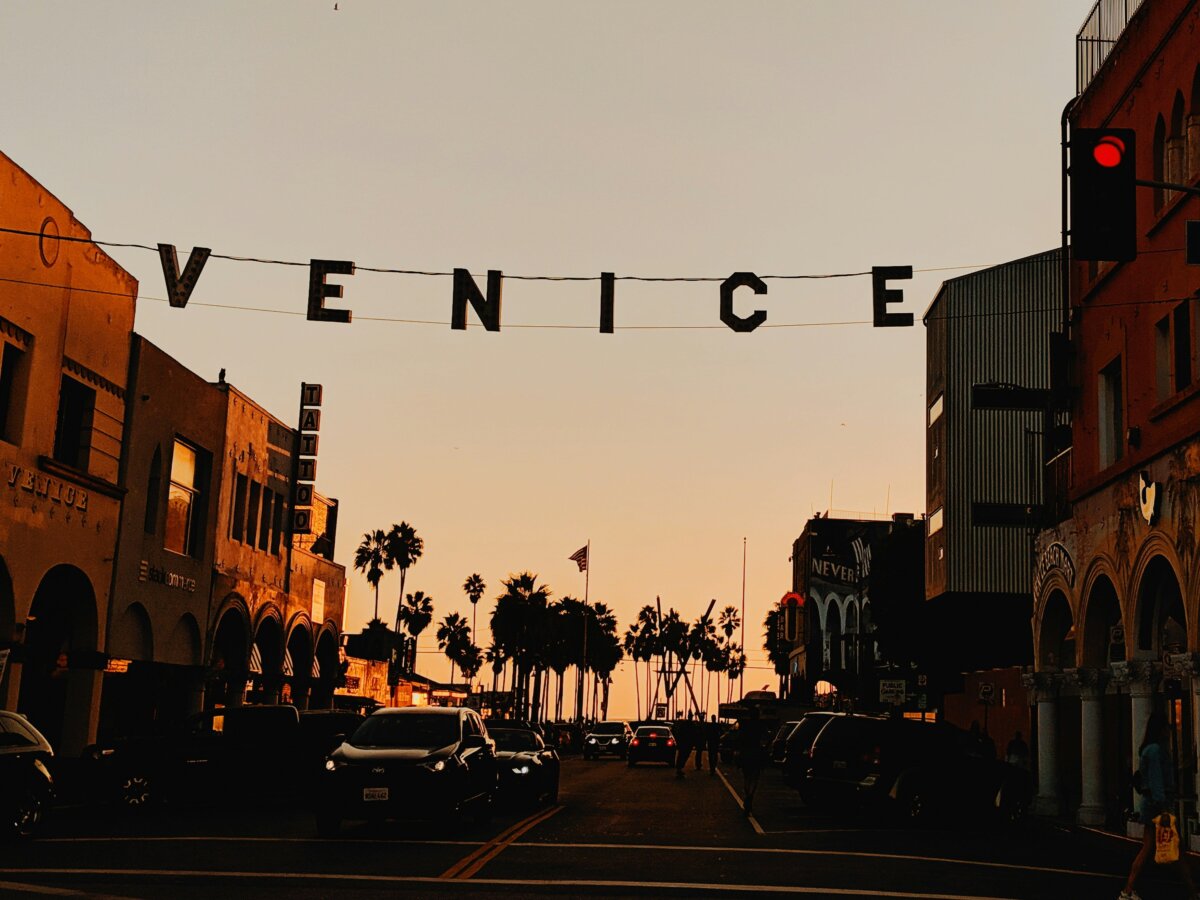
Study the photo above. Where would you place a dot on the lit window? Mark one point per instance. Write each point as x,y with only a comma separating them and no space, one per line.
181,500
935,409
935,521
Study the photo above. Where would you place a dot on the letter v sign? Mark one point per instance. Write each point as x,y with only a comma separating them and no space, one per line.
179,288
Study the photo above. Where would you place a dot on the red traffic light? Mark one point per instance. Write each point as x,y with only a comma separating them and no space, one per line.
1109,151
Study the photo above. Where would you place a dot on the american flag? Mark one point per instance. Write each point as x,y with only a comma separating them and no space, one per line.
580,558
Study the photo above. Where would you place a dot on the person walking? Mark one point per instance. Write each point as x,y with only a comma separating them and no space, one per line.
685,740
1017,752
698,732
712,737
1157,782
751,756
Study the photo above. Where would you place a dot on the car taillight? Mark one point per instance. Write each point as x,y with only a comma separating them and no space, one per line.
633,743
670,743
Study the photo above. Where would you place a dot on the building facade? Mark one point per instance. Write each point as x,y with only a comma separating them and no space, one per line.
66,314
1117,577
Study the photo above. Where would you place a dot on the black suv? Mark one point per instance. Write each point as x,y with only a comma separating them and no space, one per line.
918,770
607,737
218,754
26,786
415,762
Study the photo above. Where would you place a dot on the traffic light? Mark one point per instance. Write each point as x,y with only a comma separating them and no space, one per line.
1103,217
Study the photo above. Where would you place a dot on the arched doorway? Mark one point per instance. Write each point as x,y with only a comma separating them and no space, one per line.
8,621
1103,643
832,638
1058,724
266,661
61,668
327,672
227,682
131,687
1056,644
183,674
297,666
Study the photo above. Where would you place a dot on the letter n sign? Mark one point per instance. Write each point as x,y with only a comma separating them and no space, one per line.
305,464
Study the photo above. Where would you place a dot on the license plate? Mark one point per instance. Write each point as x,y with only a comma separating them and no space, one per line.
375,793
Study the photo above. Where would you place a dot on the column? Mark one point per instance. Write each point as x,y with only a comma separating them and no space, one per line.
1091,735
1141,702
1046,695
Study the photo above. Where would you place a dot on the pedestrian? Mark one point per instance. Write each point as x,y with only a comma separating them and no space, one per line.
712,737
1017,752
1157,782
685,739
698,737
750,756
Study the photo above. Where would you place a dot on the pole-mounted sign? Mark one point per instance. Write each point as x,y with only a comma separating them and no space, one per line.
305,459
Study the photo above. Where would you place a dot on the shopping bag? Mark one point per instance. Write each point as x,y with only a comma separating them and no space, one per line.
1166,839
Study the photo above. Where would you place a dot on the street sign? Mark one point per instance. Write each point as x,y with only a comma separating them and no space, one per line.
660,710
987,692
922,680
892,690
922,702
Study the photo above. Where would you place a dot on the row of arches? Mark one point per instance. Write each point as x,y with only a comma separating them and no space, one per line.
1177,143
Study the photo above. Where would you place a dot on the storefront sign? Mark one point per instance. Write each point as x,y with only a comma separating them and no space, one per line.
52,489
318,601
155,575
305,466
1054,558
892,690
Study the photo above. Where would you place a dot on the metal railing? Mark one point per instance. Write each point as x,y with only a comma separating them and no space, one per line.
1099,34
1058,475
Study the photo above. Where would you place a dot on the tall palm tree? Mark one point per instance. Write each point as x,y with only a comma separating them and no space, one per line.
630,644
453,636
729,621
371,558
647,648
518,629
403,548
415,614
474,588
777,648
734,667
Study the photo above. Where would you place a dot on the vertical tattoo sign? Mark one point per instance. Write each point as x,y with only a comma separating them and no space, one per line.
305,464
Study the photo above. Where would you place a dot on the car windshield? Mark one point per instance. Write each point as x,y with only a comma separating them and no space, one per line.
609,728
416,730
512,739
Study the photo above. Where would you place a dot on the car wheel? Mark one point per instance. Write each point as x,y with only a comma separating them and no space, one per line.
329,824
916,805
27,815
137,790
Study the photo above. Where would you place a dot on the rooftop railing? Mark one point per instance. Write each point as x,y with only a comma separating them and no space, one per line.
1099,34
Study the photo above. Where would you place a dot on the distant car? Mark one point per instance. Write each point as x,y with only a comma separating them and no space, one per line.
26,785
780,740
652,743
920,771
214,755
607,737
414,762
529,769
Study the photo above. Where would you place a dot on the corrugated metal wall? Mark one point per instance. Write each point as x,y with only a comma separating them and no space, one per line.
990,326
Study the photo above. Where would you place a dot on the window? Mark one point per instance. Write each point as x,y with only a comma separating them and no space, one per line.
182,500
238,525
1111,419
73,434
1182,362
264,522
11,394
935,521
252,513
153,491
1162,357
277,524
935,409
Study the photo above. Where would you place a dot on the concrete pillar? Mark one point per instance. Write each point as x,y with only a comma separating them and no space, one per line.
1091,692
1141,702
1195,697
1046,802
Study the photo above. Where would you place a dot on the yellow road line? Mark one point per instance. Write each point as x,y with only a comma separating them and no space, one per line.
507,835
499,847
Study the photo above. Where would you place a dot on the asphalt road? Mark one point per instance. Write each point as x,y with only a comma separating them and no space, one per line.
616,832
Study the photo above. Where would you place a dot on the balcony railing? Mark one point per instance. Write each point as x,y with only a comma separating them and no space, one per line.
1057,486
1099,34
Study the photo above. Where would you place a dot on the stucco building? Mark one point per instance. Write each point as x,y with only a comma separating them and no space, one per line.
66,313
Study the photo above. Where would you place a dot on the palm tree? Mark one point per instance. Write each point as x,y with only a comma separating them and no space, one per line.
630,644
415,614
729,621
403,547
470,661
372,559
518,629
474,588
647,647
453,635
777,648
734,667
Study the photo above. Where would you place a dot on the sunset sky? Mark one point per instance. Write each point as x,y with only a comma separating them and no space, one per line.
667,139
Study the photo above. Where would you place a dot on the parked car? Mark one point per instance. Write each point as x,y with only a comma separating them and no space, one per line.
652,743
26,785
415,762
797,751
779,742
920,771
607,737
212,756
321,732
529,768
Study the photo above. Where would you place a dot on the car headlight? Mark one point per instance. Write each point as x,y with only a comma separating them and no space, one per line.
435,766
616,740
101,752
591,740
520,770
332,765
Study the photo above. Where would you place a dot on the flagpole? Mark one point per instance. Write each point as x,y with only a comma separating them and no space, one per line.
742,678
587,577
